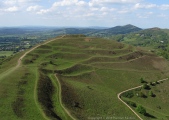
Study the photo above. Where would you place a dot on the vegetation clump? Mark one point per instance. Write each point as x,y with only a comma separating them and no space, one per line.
133,104
142,80
151,94
141,94
129,94
141,109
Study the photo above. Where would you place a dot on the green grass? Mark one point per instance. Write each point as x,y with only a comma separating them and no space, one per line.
9,62
92,68
6,53
157,105
17,96
92,71
57,104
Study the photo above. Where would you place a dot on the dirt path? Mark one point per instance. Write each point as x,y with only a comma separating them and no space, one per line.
119,97
20,59
9,71
19,63
36,98
60,99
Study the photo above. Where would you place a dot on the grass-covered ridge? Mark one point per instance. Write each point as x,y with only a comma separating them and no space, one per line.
94,70
91,72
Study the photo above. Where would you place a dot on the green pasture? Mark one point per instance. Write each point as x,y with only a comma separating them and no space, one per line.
6,53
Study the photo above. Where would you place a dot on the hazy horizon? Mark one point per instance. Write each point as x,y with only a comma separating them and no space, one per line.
84,13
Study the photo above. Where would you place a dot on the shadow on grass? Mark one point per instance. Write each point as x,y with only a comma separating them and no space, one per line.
150,116
153,95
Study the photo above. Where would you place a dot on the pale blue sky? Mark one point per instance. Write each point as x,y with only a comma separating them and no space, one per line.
84,13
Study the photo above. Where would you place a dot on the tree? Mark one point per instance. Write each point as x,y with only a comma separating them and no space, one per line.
141,109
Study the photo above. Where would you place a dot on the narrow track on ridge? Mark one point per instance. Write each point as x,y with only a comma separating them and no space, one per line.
10,70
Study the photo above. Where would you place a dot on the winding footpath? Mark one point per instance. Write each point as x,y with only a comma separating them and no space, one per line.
5,73
119,97
20,59
19,64
60,99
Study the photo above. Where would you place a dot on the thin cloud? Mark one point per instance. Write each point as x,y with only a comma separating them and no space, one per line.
101,12
69,3
103,2
164,7
33,8
144,6
11,9
145,15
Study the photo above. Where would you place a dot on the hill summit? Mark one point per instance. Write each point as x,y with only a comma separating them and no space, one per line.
123,29
116,30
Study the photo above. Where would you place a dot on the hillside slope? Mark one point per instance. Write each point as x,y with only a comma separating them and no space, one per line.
155,39
92,72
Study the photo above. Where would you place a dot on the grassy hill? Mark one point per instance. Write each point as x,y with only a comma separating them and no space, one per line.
154,39
126,29
90,71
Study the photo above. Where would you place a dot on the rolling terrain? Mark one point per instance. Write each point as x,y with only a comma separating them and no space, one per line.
77,77
153,39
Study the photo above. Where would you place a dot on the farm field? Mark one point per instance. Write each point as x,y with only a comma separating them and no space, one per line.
6,53
78,77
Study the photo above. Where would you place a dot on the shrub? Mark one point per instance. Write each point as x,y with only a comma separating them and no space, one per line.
142,80
141,94
129,94
141,109
133,104
151,94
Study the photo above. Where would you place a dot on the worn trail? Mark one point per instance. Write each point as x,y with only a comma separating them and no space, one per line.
119,97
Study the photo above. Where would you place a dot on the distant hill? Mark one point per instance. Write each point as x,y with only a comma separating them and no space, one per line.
154,38
116,30
98,31
24,30
9,31
75,30
89,31
147,37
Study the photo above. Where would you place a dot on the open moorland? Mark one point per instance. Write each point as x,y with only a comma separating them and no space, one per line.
79,77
